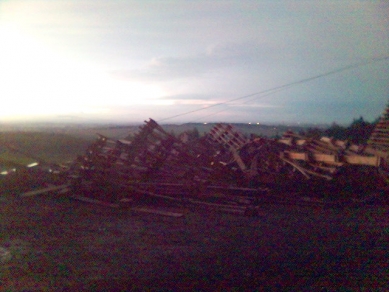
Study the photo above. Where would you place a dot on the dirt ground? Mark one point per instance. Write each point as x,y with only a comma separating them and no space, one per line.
55,243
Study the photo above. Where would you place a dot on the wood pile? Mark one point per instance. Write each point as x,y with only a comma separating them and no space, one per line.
325,156
156,164
379,139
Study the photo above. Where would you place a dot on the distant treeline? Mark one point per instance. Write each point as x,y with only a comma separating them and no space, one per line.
59,147
357,132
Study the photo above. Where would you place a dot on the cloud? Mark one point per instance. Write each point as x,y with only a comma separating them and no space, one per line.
188,97
173,68
189,54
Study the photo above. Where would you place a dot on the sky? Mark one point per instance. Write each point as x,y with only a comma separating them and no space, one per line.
193,61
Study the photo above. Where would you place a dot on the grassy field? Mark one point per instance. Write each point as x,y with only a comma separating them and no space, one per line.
32,146
10,159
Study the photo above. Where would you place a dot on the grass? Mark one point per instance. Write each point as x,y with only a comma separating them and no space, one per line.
50,147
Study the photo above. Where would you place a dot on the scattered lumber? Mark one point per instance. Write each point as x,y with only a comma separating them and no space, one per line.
45,190
158,165
94,201
157,212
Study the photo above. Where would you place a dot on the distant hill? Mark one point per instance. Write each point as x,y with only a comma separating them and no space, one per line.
121,132
63,143
246,129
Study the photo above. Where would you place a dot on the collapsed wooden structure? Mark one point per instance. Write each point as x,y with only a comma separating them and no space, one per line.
379,139
221,169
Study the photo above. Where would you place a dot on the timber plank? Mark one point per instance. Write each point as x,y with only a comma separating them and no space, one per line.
44,190
157,212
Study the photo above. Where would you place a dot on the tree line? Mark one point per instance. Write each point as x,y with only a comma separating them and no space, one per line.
357,132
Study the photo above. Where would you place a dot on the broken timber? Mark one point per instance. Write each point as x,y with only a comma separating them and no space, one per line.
45,190
158,165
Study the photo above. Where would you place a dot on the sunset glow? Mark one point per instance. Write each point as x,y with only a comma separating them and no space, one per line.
127,61
39,82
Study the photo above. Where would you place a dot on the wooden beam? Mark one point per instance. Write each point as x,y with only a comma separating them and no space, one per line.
239,160
94,201
318,157
301,142
370,150
196,202
157,212
45,190
324,157
298,167
362,160
287,141
297,155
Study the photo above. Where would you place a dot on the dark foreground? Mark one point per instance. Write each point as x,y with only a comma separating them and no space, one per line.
60,244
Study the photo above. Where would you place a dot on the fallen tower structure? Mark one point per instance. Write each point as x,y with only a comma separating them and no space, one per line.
224,169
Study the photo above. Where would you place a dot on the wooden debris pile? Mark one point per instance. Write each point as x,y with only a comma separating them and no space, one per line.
152,156
159,165
258,160
379,139
324,157
222,169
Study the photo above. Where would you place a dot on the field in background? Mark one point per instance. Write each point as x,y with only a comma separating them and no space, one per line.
27,147
58,144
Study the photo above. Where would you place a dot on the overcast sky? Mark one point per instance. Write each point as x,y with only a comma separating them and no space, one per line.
127,61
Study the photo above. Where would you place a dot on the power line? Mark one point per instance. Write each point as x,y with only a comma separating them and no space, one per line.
264,95
282,87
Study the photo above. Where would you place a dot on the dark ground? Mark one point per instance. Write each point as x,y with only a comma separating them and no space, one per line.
61,244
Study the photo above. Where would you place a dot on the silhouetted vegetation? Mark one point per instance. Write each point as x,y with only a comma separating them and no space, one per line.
358,132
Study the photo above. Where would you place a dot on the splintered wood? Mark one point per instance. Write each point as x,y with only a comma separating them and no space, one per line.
158,165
